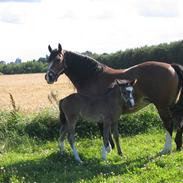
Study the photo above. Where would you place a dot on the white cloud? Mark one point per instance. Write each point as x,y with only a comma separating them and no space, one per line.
95,25
158,8
24,1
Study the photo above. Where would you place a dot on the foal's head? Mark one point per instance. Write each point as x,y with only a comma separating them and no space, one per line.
56,65
127,90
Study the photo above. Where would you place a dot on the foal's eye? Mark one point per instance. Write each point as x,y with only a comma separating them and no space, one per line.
57,60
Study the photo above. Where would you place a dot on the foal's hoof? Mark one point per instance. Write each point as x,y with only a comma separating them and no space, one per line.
165,151
62,153
108,149
79,161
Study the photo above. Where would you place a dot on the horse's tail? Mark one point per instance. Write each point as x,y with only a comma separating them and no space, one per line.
178,107
179,70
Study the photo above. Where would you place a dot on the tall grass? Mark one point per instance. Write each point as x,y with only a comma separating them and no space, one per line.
16,127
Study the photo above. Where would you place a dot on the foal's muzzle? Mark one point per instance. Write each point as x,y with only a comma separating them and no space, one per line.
130,103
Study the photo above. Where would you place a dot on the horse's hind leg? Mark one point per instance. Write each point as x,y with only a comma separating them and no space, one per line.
178,137
116,137
167,119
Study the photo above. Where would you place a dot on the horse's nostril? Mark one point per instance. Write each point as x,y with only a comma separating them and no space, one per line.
50,74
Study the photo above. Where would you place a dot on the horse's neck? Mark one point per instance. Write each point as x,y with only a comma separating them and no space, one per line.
102,82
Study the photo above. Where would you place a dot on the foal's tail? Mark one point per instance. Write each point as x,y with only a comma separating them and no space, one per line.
62,115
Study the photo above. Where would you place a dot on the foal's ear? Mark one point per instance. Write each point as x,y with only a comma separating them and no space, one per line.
59,48
132,82
49,48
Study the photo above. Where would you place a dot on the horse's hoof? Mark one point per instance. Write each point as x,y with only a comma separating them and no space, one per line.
120,153
179,149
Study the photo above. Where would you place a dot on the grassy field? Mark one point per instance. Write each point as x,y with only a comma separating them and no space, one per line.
42,163
30,91
28,142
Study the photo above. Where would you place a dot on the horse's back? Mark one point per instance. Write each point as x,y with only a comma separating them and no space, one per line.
158,81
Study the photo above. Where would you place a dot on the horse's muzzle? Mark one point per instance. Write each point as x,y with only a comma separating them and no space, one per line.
50,77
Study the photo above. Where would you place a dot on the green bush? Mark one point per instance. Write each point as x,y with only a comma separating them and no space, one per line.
15,128
44,126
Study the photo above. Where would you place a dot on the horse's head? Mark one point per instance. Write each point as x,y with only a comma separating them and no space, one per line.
56,65
126,89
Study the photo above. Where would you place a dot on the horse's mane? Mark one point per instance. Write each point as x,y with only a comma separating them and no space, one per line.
81,68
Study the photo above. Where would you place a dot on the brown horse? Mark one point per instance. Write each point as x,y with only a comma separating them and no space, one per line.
105,109
158,83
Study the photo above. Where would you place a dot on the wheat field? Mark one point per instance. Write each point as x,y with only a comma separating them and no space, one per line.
31,91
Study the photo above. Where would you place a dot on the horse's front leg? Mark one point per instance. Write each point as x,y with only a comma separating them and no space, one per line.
71,139
107,147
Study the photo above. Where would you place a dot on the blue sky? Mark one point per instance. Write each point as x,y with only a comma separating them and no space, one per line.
28,26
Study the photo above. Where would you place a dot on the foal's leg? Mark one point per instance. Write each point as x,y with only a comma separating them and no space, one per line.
168,124
63,131
116,137
71,139
107,147
63,127
100,125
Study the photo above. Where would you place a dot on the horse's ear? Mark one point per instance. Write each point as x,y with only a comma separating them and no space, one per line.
59,48
49,48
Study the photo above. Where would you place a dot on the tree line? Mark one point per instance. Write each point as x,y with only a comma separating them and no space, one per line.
22,68
169,53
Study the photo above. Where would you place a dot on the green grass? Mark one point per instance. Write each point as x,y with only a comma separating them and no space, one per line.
29,151
38,161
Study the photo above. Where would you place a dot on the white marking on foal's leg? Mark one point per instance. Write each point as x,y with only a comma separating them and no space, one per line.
76,155
108,149
105,151
61,147
168,144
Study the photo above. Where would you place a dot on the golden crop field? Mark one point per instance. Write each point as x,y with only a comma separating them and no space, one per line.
31,91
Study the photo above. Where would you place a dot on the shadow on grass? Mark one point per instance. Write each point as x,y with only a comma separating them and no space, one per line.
57,168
